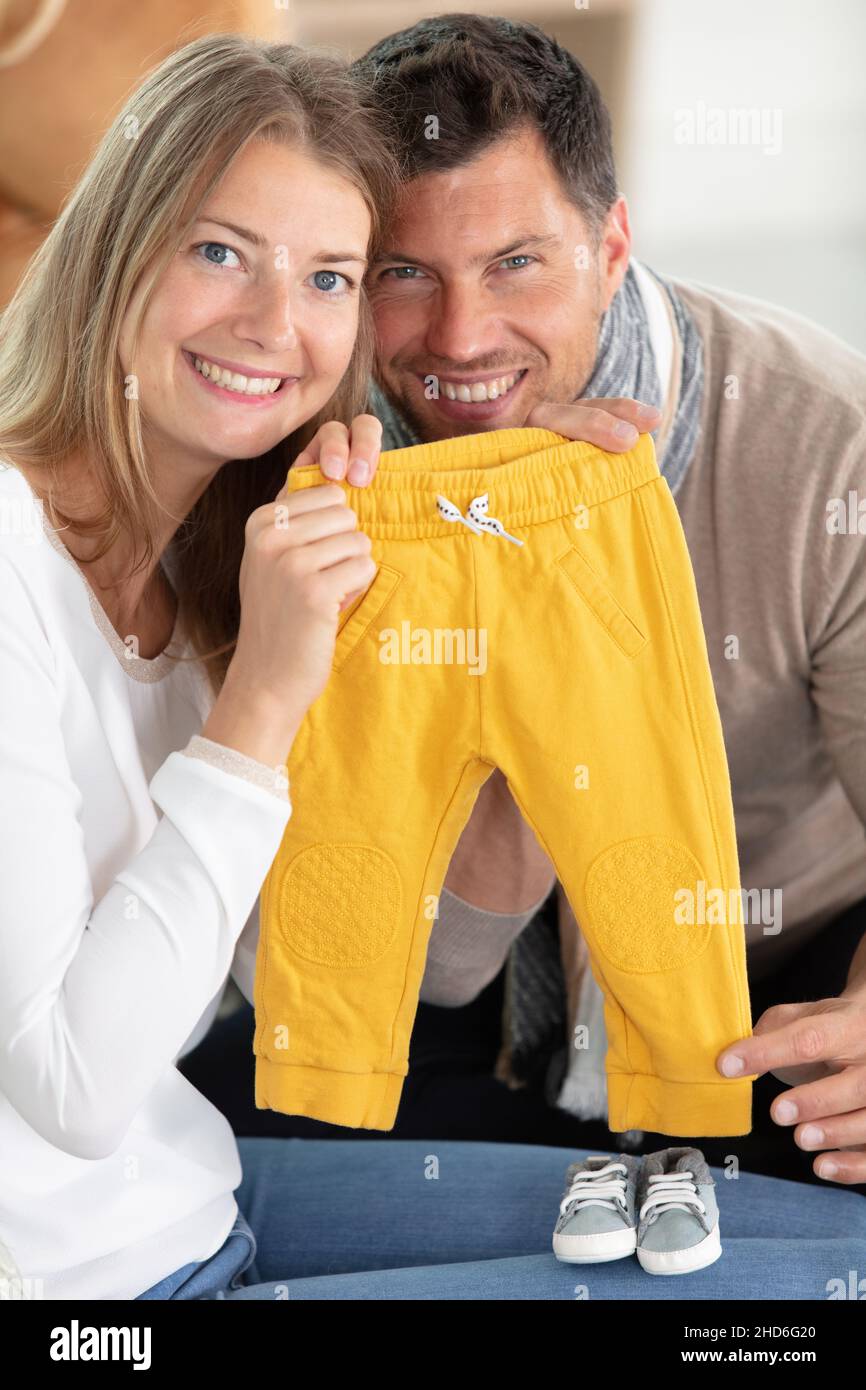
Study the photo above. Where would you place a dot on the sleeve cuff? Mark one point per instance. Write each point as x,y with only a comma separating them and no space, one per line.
273,779
233,826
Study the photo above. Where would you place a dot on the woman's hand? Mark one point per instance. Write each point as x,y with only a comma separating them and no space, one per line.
346,453
303,560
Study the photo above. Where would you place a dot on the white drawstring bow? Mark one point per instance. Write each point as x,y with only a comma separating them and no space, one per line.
477,519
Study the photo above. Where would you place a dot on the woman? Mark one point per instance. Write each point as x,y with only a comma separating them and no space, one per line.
192,318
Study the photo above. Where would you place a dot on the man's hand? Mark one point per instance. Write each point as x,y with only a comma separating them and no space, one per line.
351,453
820,1050
611,423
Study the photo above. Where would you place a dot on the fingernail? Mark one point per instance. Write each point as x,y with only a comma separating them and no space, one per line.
626,431
812,1135
644,410
786,1111
359,472
732,1065
332,468
828,1170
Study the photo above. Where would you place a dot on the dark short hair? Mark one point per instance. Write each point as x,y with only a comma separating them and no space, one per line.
481,77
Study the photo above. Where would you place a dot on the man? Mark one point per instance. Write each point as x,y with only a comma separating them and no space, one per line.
504,293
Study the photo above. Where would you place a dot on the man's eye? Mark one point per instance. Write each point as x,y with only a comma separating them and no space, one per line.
404,272
330,280
509,260
221,253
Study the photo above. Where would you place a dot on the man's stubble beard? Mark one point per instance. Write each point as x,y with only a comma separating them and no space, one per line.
561,393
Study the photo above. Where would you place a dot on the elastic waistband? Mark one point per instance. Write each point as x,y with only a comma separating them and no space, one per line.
529,475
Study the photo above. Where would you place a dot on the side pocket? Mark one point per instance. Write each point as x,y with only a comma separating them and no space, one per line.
358,616
598,597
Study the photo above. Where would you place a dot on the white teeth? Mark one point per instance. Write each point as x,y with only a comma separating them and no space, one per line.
234,381
479,390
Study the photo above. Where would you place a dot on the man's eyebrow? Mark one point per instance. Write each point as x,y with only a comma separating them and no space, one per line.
329,257
538,243
400,257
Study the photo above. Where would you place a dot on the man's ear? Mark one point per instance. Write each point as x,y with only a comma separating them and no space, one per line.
614,250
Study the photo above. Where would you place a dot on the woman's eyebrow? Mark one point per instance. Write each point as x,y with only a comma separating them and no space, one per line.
329,257
255,237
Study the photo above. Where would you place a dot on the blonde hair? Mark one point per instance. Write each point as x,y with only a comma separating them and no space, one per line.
61,380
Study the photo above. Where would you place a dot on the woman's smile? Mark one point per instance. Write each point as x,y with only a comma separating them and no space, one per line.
223,382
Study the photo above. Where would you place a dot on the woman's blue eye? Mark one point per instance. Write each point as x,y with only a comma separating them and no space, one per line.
222,252
328,280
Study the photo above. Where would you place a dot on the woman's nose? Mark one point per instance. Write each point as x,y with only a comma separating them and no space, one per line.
269,318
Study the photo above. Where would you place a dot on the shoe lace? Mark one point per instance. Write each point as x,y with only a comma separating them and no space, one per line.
600,1187
671,1192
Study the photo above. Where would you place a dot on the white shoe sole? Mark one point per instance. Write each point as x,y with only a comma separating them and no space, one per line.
682,1261
594,1249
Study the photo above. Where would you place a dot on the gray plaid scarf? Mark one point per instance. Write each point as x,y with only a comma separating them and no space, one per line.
536,1015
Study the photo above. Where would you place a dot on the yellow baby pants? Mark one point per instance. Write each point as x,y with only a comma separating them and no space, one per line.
534,610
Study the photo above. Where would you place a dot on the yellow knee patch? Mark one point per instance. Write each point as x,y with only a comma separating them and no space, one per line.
630,895
340,904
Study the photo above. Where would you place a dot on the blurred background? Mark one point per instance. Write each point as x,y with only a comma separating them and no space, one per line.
740,127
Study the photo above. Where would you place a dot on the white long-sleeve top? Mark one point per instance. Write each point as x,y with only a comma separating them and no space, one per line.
129,868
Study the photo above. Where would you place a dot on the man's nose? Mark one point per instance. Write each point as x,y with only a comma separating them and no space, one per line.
459,329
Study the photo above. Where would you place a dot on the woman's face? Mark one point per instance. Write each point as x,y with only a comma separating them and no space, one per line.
273,296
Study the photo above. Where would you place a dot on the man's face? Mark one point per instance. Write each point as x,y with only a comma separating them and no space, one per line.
491,284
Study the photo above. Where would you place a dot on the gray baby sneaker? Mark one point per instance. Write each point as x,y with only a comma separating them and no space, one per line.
678,1218
597,1213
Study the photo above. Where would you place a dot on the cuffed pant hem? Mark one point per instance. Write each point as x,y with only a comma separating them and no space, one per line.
689,1109
366,1100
